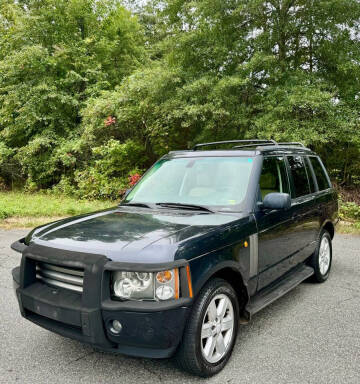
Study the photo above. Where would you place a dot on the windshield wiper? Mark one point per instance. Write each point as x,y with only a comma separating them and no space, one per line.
141,205
185,206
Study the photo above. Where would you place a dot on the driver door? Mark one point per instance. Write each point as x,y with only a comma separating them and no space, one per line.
275,232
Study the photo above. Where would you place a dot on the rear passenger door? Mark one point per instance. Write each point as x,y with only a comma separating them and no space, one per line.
305,209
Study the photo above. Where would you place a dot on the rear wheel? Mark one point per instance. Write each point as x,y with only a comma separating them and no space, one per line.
211,330
322,258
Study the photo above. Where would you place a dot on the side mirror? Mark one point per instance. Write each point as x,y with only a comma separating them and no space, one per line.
279,201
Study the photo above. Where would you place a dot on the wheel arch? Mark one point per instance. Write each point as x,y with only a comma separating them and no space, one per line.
230,272
235,279
329,226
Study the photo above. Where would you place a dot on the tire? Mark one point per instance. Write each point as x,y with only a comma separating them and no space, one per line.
321,259
195,353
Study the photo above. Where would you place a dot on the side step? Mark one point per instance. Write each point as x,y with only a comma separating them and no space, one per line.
280,288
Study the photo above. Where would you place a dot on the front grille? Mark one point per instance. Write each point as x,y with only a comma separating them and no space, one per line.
58,276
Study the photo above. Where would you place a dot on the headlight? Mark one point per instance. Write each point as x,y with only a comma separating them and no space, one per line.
133,285
163,285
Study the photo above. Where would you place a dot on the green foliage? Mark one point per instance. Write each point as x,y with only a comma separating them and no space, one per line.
3,214
16,204
91,92
349,211
54,56
107,177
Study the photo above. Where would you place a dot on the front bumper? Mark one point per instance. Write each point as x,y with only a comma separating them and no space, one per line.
149,329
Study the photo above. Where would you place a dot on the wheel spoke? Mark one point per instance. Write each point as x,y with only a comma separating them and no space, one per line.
222,307
220,344
227,324
210,346
212,311
326,247
206,331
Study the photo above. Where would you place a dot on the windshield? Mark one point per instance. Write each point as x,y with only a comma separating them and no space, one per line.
219,182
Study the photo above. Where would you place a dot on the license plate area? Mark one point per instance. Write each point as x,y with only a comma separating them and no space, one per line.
56,304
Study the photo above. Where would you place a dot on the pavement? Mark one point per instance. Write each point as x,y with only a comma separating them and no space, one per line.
311,335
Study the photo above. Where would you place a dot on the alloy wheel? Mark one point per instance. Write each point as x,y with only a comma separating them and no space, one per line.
324,256
217,328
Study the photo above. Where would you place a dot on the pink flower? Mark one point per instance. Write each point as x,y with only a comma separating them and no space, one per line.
109,121
133,179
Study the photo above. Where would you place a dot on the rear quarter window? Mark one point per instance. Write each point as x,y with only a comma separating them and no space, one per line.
320,173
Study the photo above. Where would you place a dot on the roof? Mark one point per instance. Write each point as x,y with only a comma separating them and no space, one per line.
244,148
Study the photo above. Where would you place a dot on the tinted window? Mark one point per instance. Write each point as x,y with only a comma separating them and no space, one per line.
301,183
273,176
310,175
321,178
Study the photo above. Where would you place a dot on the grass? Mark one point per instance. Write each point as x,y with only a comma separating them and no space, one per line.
348,227
25,210
349,213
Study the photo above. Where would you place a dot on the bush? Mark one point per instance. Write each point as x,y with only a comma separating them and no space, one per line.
90,92
55,55
107,176
349,211
3,186
3,214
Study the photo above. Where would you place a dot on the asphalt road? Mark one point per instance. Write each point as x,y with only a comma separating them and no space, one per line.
311,335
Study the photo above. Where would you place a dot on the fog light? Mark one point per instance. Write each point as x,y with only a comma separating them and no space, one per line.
116,327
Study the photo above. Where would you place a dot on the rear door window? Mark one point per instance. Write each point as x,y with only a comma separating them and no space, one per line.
299,176
310,175
322,180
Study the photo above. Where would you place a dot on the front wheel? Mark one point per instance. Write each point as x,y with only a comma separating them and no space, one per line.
322,258
210,334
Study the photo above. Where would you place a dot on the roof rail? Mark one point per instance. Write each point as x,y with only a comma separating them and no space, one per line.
293,143
254,141
253,145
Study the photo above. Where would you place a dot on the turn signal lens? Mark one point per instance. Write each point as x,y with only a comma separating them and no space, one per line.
167,284
164,276
189,281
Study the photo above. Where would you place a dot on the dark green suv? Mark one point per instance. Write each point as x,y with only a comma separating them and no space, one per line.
205,239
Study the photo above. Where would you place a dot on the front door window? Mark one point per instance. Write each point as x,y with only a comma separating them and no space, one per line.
273,176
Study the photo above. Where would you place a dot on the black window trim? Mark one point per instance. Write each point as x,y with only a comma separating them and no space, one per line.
290,176
292,185
309,168
324,171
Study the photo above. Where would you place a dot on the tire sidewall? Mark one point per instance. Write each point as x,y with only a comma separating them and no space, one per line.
222,287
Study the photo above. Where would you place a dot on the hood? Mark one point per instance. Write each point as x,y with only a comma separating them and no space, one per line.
131,234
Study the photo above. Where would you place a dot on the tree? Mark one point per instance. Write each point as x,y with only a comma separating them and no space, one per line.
84,84
55,55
